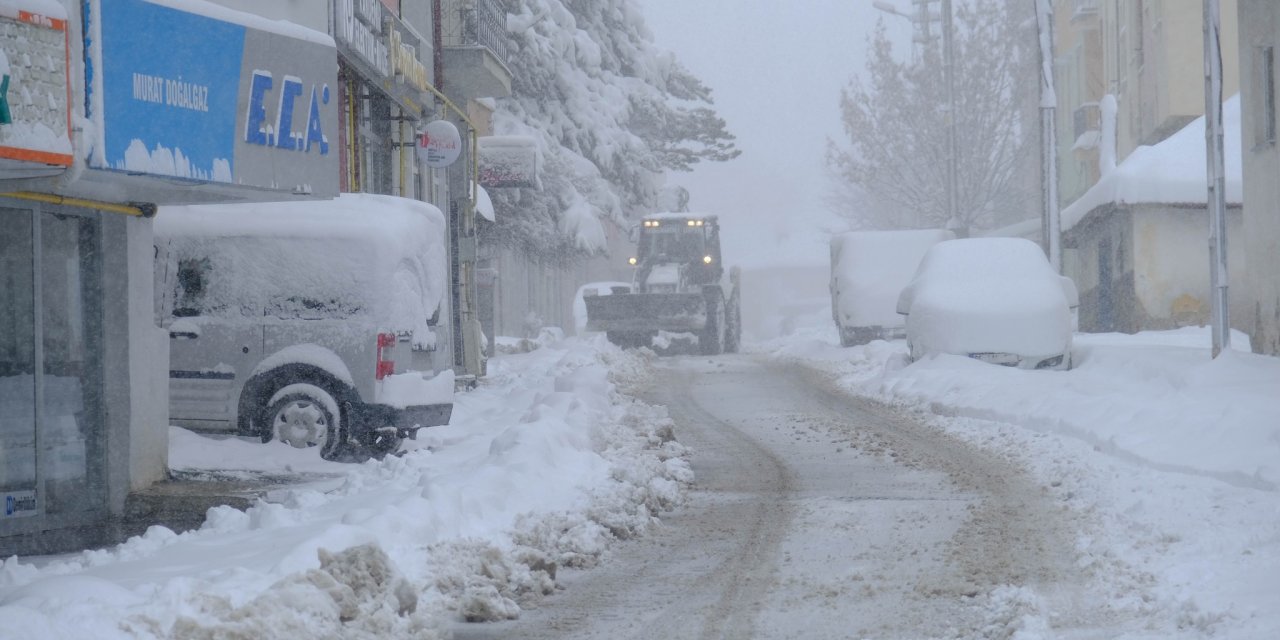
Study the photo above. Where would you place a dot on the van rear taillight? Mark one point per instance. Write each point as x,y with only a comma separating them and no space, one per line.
384,366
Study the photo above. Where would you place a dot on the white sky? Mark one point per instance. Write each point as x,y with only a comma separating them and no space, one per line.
776,70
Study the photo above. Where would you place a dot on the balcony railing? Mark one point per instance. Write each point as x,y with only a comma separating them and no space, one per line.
468,23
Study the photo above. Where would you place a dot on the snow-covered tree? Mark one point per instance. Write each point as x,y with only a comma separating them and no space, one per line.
890,171
611,113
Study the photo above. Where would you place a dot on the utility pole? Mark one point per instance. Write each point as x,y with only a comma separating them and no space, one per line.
948,69
1217,179
1051,216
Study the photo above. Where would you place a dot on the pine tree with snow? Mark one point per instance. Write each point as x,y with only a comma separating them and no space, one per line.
611,114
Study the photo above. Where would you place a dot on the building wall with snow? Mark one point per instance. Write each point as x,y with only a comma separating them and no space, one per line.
1259,44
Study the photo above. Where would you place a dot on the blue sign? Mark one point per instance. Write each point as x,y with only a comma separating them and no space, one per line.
194,97
170,80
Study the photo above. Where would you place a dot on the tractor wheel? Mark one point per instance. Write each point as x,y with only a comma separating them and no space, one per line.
712,339
733,328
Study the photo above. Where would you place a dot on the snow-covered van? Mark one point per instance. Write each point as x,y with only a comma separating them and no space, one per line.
868,271
317,323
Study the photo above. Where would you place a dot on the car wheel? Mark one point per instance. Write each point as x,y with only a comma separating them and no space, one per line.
302,416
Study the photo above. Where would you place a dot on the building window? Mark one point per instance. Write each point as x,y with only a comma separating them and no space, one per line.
1265,128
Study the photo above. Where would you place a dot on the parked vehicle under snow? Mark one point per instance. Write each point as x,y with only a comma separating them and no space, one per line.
992,299
315,323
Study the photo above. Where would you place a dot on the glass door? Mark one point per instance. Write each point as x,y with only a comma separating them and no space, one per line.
51,417
70,327
17,364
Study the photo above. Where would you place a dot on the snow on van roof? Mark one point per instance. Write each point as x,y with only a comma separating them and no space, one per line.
381,254
350,215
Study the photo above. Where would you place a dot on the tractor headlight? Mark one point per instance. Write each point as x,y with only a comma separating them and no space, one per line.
706,259
631,261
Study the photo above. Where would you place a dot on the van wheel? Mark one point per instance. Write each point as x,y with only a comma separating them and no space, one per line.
303,416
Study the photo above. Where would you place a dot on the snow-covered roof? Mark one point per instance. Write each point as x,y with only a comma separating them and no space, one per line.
1173,171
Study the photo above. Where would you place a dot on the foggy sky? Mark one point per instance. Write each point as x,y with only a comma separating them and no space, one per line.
776,70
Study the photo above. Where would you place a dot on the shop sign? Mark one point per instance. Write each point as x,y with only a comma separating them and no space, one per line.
359,29
372,32
405,64
229,103
507,162
439,144
20,503
34,93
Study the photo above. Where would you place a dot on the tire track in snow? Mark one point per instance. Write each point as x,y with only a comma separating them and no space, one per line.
702,573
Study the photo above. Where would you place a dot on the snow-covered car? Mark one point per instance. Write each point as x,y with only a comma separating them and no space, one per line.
993,299
314,323
868,271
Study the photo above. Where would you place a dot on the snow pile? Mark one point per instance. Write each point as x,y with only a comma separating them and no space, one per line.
543,466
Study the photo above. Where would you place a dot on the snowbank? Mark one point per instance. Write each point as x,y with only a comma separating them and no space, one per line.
543,466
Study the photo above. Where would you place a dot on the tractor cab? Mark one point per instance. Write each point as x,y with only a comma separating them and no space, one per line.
690,244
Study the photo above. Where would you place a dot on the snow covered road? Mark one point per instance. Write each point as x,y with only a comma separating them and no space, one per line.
818,515
802,491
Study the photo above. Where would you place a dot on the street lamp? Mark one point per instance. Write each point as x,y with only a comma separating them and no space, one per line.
948,56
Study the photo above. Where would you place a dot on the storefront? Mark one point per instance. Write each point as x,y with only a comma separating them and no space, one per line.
385,95
51,355
211,105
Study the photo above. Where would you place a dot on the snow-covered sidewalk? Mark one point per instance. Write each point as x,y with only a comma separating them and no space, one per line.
541,468
1171,457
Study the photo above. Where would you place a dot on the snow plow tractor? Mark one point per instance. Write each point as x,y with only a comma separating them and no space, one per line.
681,294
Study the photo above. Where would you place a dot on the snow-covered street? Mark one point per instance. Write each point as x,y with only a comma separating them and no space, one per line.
1133,496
